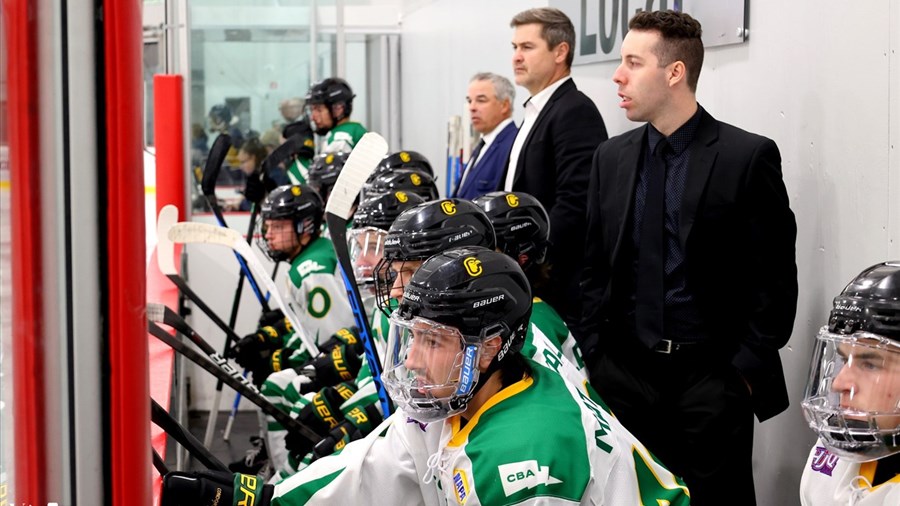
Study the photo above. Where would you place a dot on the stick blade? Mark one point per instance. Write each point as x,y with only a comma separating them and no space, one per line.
214,164
165,248
188,232
364,158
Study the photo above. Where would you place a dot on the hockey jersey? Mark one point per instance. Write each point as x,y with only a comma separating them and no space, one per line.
539,440
343,137
829,480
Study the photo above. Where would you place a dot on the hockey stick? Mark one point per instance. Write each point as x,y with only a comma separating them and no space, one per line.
165,255
192,232
234,380
362,161
164,420
214,161
159,464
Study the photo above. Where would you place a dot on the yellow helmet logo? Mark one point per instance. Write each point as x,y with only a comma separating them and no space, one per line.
448,207
401,196
473,266
512,200
416,179
404,157
295,190
329,159
309,143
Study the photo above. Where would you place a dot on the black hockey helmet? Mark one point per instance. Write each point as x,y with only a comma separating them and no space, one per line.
427,230
380,211
520,222
298,203
331,91
869,303
324,171
405,160
408,180
461,297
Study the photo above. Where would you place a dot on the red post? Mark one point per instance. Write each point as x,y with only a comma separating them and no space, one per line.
21,30
168,135
129,396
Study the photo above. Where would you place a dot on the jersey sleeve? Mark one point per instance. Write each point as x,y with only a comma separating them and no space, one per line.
378,469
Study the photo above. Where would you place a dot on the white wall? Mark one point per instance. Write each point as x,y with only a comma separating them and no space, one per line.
818,77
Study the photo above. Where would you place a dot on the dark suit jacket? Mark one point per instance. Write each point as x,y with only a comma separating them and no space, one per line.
738,235
554,166
491,166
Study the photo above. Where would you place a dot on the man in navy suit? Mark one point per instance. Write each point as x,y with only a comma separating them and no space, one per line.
551,156
490,101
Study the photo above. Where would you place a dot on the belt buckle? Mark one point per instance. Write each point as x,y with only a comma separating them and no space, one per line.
667,349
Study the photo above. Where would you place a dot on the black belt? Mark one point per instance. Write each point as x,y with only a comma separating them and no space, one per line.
668,347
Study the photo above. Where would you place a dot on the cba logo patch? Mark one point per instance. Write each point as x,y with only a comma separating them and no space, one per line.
512,200
404,157
295,190
415,179
330,159
448,207
401,197
460,486
524,475
473,266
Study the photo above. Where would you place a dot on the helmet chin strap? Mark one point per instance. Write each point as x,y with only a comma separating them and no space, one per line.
494,366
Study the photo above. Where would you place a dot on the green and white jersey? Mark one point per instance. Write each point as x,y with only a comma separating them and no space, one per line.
550,343
343,137
538,441
298,172
829,480
317,294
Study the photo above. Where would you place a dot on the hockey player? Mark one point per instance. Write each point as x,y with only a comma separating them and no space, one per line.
852,399
522,227
405,160
477,423
331,102
292,218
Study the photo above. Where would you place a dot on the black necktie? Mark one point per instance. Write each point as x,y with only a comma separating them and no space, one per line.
650,285
471,165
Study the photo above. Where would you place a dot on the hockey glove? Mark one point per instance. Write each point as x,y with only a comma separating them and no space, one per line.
271,318
214,487
257,346
321,415
357,424
340,364
348,336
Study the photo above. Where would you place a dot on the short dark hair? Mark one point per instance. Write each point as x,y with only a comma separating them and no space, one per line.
255,148
681,40
556,27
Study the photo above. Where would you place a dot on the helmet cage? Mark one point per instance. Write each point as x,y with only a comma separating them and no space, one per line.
852,398
366,246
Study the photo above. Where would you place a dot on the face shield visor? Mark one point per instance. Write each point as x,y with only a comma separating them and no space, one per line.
852,398
431,369
366,247
278,238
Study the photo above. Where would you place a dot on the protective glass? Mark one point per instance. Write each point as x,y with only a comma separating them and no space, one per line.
366,247
430,369
852,398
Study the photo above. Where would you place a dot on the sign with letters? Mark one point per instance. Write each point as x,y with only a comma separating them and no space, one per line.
600,25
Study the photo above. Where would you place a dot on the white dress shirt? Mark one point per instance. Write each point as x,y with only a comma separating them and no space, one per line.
533,107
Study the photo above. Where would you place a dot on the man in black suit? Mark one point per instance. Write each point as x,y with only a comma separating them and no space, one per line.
490,98
551,156
691,282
